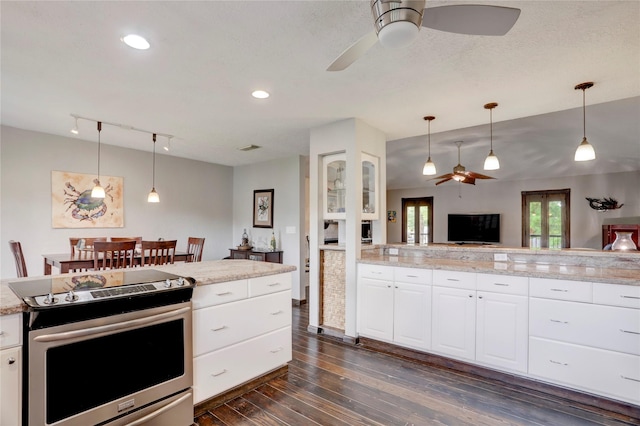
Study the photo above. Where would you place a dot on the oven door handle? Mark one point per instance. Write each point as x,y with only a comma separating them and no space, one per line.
67,335
159,411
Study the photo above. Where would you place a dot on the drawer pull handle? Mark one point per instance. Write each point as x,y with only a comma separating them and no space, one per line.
219,373
629,331
558,321
557,362
452,279
630,378
278,349
277,312
223,294
564,290
411,276
273,284
501,284
629,297
222,327
12,361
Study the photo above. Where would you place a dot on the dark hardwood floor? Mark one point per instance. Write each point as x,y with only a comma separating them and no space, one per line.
332,383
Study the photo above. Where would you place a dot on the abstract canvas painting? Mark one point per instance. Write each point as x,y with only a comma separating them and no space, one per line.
73,207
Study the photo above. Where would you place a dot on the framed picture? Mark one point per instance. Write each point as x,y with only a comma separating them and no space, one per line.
263,208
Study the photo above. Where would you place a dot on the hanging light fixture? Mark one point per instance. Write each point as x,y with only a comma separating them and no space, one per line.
153,195
491,162
98,191
167,147
429,167
585,151
75,130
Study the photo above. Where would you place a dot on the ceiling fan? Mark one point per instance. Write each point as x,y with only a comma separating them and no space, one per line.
461,174
397,23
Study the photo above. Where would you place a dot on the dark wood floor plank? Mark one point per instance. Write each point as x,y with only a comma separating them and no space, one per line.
255,413
278,410
231,417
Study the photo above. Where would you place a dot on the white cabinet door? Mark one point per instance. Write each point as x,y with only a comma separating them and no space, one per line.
454,322
412,315
501,330
11,386
376,313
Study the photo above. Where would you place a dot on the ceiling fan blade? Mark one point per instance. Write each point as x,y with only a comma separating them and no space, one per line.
354,52
469,180
447,175
475,175
443,181
473,19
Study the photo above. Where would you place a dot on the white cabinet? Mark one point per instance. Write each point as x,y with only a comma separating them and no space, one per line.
394,305
241,330
454,322
369,187
334,186
10,370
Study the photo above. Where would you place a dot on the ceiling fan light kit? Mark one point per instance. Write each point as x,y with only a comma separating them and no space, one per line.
429,167
491,162
585,151
460,173
397,23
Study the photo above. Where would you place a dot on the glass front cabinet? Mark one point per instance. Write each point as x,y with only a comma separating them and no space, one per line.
369,187
335,188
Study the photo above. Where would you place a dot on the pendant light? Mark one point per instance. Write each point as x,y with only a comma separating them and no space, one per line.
75,130
98,191
153,195
491,162
429,167
585,151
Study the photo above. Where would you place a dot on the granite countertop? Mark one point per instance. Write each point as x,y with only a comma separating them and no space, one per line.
206,272
539,270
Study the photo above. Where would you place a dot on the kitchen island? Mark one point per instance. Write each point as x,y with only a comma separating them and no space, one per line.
241,328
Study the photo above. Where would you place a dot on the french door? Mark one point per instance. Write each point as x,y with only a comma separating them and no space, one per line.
417,220
545,219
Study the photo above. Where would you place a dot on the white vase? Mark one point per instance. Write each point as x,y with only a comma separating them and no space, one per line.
623,242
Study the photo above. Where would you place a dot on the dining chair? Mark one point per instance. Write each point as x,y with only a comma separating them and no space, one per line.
88,242
138,240
194,246
16,249
158,252
113,254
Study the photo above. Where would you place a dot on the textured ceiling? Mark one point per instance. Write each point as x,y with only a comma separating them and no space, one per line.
206,57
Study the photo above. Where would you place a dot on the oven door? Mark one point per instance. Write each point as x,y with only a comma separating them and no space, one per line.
94,371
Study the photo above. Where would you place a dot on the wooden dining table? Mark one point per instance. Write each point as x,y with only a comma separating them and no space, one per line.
83,260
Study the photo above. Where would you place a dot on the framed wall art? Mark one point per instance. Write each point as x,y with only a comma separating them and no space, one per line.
73,207
263,208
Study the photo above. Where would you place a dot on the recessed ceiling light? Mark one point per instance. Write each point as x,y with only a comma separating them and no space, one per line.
136,41
260,94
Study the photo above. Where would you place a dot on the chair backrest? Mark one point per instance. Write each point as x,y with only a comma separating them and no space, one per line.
195,245
138,240
158,252
113,255
88,242
16,249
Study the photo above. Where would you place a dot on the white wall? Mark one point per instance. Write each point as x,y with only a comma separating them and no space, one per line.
505,198
286,177
195,197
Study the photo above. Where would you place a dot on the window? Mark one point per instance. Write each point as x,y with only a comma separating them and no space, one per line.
545,219
417,220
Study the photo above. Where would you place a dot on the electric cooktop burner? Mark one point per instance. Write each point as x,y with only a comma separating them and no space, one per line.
88,287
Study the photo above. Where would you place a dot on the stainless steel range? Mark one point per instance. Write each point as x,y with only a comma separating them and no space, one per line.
108,348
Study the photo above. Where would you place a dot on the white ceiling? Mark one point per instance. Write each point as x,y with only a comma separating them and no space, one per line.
66,57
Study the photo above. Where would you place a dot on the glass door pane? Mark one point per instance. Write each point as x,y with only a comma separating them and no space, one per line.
411,224
423,224
555,224
535,224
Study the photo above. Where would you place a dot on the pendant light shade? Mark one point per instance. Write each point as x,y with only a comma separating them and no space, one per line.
98,191
585,151
429,167
75,130
491,162
153,196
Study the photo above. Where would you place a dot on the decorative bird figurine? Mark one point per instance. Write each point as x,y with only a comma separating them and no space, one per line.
603,204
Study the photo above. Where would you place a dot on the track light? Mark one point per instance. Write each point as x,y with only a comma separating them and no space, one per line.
429,167
75,130
491,162
153,195
167,147
98,191
585,151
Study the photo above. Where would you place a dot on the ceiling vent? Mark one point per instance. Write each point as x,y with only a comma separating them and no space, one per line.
249,148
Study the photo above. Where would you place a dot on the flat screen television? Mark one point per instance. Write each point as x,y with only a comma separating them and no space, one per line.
474,228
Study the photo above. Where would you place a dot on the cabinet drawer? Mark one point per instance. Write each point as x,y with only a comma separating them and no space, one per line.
218,326
607,373
465,280
507,284
11,386
10,327
617,295
269,284
578,291
605,327
377,272
412,275
216,294
218,371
